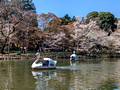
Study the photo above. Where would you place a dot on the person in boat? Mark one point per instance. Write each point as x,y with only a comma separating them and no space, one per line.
72,58
46,63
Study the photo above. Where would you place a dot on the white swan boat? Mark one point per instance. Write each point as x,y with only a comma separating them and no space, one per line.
73,56
44,64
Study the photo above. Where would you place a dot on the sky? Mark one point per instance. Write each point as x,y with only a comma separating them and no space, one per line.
77,7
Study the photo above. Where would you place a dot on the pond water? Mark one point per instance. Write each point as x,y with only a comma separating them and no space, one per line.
85,74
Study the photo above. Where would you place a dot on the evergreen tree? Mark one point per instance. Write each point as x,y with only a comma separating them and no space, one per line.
92,15
73,19
66,19
28,5
107,20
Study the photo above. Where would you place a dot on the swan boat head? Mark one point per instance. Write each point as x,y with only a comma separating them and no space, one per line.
35,62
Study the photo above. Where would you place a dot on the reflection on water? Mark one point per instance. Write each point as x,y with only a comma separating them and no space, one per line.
73,63
16,75
70,75
42,78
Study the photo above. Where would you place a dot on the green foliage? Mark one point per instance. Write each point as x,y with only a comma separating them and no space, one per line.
73,19
107,21
66,19
92,15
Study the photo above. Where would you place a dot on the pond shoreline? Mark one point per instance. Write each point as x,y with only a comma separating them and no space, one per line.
15,56
54,55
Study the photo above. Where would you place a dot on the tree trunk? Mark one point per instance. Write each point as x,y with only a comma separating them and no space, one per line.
3,46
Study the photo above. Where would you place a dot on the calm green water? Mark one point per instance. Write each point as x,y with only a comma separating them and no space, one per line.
87,74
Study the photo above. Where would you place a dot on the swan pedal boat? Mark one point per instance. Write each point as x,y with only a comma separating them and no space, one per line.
73,57
50,64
